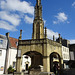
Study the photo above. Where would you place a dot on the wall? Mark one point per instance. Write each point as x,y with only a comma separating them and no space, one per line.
72,55
3,46
43,46
3,42
12,56
66,56
2,60
65,53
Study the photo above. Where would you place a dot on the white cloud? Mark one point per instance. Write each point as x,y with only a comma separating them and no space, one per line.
55,22
72,41
44,22
28,19
73,4
68,22
9,16
50,34
60,17
5,25
17,5
12,18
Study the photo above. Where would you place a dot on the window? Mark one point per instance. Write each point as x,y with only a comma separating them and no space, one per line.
1,41
16,43
65,49
0,52
14,65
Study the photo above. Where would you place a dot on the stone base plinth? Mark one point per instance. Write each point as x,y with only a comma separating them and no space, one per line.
46,73
18,73
35,72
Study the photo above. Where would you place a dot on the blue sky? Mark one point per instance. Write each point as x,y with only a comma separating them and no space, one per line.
58,16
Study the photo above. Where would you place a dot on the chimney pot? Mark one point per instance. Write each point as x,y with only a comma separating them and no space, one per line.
7,34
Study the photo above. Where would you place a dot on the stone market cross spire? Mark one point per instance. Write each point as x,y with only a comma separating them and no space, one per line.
38,2
38,24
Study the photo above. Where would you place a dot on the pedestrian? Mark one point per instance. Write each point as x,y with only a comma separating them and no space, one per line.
55,69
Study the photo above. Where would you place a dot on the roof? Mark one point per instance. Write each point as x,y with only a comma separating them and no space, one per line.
13,42
3,37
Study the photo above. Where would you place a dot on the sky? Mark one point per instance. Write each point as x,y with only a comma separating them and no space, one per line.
58,16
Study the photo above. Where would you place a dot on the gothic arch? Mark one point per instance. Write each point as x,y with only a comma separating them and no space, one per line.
55,58
36,58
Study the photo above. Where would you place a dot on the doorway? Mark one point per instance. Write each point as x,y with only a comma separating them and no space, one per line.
26,66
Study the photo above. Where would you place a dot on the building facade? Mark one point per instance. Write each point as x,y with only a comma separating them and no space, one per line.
72,51
66,56
3,46
12,52
8,52
65,51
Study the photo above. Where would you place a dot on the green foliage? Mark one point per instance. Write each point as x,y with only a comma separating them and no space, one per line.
10,70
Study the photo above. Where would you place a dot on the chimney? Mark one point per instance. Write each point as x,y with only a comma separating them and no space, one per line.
7,35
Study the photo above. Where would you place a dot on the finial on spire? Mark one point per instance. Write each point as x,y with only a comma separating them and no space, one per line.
38,2
53,38
20,37
59,38
45,32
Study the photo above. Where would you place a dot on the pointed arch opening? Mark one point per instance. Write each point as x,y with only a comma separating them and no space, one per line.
36,59
55,60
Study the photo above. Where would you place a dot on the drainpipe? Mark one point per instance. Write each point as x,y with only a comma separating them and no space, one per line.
7,54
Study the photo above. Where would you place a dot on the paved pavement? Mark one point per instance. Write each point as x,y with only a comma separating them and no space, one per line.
6,74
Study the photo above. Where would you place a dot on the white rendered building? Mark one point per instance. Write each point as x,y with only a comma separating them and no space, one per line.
3,46
26,62
12,52
66,56
8,52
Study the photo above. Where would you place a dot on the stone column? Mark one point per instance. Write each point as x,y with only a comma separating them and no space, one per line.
46,64
61,63
19,64
19,58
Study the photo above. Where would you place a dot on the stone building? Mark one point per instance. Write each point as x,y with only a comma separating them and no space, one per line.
65,51
72,56
44,53
64,42
72,51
